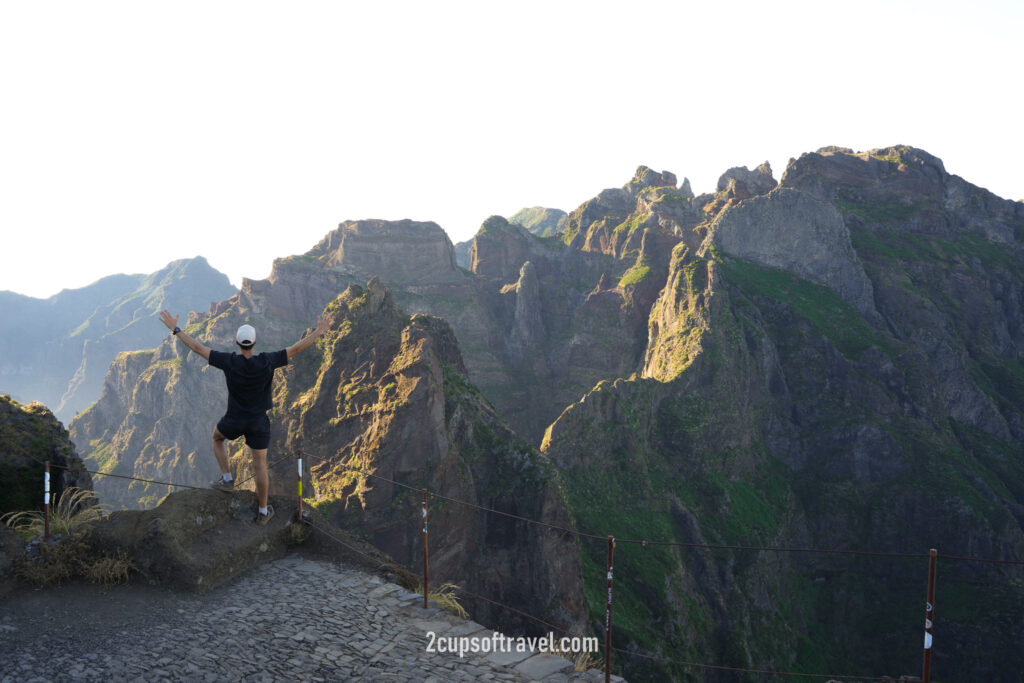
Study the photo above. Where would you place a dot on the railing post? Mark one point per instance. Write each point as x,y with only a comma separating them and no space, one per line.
46,502
929,616
300,484
608,614
426,555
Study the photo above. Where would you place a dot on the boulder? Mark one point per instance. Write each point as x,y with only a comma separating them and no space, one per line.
196,539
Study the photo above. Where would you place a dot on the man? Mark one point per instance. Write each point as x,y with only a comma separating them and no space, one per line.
249,378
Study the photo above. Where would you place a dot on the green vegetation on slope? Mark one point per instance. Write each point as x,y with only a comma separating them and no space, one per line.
834,318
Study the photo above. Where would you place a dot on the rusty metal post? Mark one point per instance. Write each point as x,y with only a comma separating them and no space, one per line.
46,502
929,616
608,614
426,555
300,485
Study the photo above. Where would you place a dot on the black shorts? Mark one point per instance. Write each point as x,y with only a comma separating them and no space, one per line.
256,429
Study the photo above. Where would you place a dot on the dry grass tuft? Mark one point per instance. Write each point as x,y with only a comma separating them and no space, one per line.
585,661
445,598
581,661
74,508
110,571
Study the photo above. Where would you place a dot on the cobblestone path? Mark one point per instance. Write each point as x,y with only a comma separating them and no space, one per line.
295,619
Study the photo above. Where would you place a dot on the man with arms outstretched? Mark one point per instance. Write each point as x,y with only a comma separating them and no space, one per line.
249,377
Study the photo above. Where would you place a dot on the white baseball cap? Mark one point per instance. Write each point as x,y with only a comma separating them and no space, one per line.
246,335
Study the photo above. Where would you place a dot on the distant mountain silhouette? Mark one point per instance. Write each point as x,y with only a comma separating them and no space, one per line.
57,350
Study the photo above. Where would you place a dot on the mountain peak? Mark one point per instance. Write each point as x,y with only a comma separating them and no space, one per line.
404,251
646,177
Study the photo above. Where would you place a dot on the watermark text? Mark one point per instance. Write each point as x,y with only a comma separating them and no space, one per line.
499,642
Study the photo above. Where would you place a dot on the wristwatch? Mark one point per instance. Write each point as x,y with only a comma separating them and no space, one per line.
176,330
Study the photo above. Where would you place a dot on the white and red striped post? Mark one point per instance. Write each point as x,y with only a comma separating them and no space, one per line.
46,502
300,486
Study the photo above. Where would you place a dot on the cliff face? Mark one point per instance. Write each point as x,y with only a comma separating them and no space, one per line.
29,435
388,393
399,252
836,366
57,350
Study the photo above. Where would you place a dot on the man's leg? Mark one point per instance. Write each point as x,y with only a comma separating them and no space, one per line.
220,451
259,466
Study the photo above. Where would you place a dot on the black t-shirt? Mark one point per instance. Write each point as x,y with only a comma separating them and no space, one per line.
249,380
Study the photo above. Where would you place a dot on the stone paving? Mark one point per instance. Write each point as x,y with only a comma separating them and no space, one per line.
295,619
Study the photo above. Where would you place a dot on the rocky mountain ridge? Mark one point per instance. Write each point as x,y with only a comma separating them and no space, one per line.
837,365
831,361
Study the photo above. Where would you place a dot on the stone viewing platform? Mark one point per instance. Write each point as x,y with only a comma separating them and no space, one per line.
294,618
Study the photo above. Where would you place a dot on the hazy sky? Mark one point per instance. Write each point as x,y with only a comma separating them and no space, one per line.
134,133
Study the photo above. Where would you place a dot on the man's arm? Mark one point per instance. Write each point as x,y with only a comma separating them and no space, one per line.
172,324
305,342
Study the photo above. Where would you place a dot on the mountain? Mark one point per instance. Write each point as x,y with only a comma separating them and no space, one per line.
57,350
829,361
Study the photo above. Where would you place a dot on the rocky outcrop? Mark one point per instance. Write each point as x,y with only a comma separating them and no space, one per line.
500,248
57,350
30,435
645,178
679,318
527,324
743,183
387,393
400,252
736,185
905,185
196,540
791,230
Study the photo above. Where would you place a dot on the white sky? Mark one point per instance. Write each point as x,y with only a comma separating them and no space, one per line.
134,133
